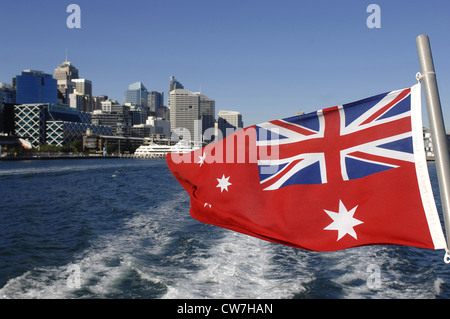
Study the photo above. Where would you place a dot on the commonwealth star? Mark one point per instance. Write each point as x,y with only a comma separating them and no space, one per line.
343,221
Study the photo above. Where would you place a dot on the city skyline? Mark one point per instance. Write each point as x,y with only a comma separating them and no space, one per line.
266,59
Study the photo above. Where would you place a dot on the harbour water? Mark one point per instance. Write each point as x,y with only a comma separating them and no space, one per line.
120,228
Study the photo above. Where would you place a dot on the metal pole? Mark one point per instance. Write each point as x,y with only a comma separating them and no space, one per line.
439,137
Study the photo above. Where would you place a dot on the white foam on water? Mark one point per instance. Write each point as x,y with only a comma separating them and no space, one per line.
78,167
240,266
99,269
109,259
157,246
379,272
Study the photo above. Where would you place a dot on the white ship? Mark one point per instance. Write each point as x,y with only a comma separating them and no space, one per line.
160,151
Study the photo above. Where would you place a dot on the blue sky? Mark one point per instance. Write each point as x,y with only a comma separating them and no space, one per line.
266,59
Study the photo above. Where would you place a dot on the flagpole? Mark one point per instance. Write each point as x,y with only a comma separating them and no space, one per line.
437,127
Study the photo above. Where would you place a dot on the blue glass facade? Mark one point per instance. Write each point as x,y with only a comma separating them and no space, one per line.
136,94
36,87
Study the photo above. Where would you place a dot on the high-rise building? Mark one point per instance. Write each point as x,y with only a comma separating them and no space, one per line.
35,87
65,73
174,84
191,111
228,121
155,100
80,102
7,94
136,94
184,111
83,86
207,113
83,90
7,97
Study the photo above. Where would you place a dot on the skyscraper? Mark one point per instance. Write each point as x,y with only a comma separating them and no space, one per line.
65,73
192,111
7,94
136,94
155,100
174,84
83,86
7,99
82,95
228,121
184,111
207,112
35,87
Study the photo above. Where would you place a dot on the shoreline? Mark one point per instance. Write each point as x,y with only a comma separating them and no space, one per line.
59,157
71,157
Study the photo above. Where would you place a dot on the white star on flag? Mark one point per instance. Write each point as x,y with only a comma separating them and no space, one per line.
202,159
343,221
223,183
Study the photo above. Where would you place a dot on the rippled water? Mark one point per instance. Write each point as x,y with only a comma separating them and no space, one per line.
120,228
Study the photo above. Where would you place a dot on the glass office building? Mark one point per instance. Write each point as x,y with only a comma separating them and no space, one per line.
53,124
136,94
36,87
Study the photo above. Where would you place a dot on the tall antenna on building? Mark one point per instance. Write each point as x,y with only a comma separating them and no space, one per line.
66,54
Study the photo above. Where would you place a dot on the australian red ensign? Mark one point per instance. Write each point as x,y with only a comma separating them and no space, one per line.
341,177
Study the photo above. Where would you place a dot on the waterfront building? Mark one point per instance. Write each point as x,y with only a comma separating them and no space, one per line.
428,143
207,113
7,94
7,98
120,123
53,124
185,112
35,87
29,122
228,121
191,111
115,115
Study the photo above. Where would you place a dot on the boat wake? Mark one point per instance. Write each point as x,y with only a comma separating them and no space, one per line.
164,253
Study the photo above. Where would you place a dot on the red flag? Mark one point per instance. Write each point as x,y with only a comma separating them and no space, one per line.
341,177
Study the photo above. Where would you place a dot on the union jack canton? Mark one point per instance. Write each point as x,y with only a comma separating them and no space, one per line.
341,143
